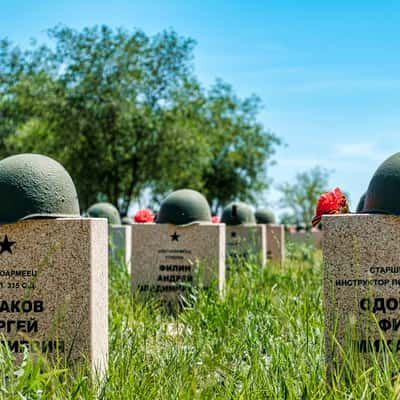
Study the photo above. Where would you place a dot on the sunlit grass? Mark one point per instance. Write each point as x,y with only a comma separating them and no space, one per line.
263,341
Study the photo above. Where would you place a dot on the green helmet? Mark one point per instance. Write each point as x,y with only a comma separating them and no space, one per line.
35,186
301,227
264,216
105,210
184,207
127,221
360,205
238,213
383,193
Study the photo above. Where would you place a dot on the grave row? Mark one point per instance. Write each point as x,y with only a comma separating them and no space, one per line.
53,275
265,241
54,263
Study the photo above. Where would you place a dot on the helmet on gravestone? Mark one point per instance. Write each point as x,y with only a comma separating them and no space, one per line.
105,210
383,193
127,221
300,227
264,216
360,205
238,213
184,207
35,186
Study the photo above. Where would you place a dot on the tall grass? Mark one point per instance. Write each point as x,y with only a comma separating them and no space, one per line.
264,340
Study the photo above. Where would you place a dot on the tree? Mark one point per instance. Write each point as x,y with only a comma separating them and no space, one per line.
233,147
124,113
101,110
301,197
241,147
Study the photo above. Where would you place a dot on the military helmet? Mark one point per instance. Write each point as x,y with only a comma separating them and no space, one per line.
105,210
383,193
360,205
302,226
184,207
238,213
127,221
35,186
264,216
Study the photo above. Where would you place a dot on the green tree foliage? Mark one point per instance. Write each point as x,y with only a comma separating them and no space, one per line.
241,148
123,112
301,197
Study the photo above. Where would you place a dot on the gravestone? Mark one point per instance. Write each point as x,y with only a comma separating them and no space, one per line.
244,238
317,236
54,289
313,238
168,259
244,241
275,242
120,244
361,260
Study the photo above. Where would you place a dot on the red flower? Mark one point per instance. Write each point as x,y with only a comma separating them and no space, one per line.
144,215
332,202
215,219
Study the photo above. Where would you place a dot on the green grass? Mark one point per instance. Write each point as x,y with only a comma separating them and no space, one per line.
263,341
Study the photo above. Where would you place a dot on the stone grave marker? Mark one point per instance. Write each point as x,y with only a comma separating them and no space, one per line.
184,249
53,288
167,259
312,237
244,238
244,241
317,236
361,258
361,278
53,266
275,234
275,242
120,244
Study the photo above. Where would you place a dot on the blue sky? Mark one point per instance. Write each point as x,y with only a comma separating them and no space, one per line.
328,73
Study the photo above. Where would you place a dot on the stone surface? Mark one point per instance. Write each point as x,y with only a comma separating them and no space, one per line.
120,244
54,289
166,258
275,242
361,254
246,241
314,238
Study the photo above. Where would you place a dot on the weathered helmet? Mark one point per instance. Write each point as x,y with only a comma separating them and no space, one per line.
184,207
238,213
35,186
383,193
127,221
264,216
360,205
105,210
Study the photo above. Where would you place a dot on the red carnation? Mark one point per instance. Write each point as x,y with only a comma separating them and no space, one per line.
215,219
144,215
332,202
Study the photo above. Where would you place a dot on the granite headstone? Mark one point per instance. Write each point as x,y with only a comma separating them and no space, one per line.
244,241
361,262
275,242
54,288
120,244
168,259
